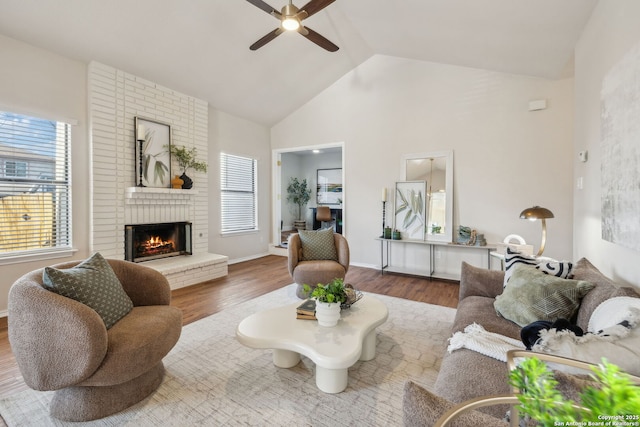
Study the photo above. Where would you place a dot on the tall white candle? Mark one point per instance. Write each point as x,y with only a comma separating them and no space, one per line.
384,194
141,131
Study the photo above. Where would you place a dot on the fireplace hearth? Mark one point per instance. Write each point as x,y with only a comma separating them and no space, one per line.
145,242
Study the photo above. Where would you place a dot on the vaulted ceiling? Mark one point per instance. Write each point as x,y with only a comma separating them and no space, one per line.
201,47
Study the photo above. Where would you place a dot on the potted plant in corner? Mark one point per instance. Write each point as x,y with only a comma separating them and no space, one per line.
186,158
328,298
299,193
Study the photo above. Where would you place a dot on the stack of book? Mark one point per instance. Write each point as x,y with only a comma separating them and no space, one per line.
306,310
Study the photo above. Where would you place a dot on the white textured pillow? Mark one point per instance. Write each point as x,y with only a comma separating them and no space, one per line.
611,312
618,344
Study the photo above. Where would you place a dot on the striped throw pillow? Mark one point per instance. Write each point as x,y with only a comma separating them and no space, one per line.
512,258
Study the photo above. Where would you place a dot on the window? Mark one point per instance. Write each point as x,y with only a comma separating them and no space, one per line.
15,169
34,184
238,178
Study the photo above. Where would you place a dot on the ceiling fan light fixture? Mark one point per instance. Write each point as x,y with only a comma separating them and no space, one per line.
290,19
290,24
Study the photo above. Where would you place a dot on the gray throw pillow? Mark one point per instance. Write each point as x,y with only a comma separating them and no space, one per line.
318,245
93,283
533,295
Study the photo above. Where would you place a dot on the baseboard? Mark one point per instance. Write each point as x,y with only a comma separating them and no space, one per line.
248,258
278,250
363,265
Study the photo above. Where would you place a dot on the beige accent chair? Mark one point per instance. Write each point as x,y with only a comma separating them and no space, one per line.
62,344
317,271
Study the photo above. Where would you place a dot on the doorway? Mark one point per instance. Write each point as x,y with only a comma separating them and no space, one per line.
302,163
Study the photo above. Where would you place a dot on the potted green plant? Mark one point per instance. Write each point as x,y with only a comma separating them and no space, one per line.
328,298
613,394
187,159
299,193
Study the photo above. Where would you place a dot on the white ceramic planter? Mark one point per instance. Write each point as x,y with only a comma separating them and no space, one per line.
327,314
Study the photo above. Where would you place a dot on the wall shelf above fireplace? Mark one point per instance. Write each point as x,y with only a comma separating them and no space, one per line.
158,196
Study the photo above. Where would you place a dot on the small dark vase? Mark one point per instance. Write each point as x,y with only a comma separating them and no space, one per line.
188,182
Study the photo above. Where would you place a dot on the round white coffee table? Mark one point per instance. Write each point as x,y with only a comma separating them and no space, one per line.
333,350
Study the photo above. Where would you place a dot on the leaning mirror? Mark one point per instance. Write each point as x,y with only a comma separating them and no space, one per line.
436,168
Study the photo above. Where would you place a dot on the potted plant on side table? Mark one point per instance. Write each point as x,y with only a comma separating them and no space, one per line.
328,298
609,392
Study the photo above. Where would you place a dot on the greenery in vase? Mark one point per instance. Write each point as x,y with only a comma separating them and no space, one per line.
614,395
187,158
333,291
298,193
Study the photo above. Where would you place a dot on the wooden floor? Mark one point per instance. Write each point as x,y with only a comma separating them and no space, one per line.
251,279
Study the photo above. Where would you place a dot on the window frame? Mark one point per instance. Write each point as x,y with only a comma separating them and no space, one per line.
56,181
225,189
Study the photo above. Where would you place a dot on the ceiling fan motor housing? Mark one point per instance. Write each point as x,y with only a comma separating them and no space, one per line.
291,18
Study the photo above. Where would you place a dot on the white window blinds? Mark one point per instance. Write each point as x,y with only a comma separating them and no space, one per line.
238,179
34,184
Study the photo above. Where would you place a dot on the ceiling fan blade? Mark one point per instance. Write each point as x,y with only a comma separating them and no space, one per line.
318,39
315,6
266,39
262,5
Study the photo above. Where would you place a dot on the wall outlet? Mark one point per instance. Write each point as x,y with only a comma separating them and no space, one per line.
583,156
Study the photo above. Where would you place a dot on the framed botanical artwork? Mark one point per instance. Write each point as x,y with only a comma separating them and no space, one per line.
410,209
153,157
329,187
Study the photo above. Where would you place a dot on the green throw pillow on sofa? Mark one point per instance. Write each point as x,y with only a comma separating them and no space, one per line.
93,283
318,245
533,295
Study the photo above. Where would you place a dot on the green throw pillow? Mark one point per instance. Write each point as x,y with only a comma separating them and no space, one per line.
533,295
92,282
318,245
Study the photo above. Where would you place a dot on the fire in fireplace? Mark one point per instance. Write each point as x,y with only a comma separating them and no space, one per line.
144,242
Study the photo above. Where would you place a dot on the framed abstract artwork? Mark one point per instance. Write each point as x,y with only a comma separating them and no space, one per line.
329,186
410,209
153,157
620,152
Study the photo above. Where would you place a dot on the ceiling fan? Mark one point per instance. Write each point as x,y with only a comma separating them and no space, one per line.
291,20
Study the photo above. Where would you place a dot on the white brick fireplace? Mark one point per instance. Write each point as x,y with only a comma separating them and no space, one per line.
115,99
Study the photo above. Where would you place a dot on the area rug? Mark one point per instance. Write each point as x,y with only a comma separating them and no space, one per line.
212,379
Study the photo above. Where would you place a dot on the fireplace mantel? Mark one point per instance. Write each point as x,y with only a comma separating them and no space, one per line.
158,196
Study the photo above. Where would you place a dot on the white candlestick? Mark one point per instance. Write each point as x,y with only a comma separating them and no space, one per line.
141,131
384,194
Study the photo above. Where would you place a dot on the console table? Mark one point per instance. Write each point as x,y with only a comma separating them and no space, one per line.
385,249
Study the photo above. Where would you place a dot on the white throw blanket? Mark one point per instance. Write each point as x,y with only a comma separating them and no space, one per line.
476,338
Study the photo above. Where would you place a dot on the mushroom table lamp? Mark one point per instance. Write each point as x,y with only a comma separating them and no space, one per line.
542,214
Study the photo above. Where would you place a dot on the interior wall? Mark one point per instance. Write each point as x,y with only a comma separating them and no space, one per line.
115,99
39,83
612,31
237,136
506,158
